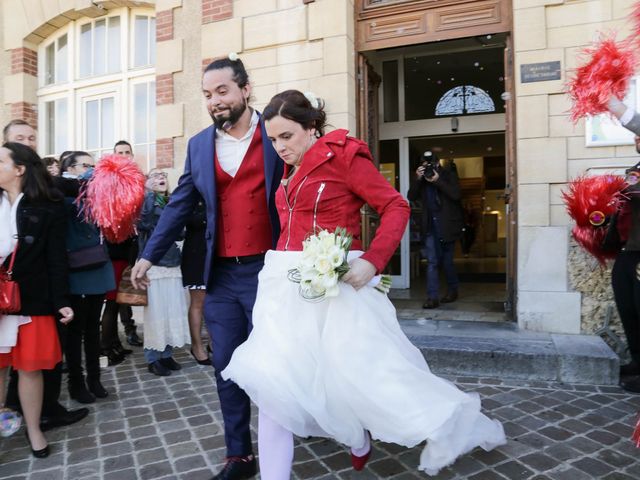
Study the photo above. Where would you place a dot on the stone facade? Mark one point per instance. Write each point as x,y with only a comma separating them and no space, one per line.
551,151
309,45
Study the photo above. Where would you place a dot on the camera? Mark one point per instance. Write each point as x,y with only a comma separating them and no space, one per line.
430,162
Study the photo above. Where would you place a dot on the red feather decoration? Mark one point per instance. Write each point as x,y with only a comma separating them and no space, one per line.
590,201
113,197
608,72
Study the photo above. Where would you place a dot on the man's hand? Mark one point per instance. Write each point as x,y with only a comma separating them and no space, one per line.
360,273
139,277
67,315
420,171
616,107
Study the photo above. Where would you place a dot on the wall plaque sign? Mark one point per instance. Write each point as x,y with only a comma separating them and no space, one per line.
540,72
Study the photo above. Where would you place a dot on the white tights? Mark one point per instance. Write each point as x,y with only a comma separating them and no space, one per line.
275,449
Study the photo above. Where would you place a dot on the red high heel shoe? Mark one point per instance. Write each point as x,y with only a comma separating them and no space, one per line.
358,463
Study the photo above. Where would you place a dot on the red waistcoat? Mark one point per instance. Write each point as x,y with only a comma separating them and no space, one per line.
243,227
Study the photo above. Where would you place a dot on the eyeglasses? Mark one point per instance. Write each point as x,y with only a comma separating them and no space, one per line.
85,165
158,175
632,177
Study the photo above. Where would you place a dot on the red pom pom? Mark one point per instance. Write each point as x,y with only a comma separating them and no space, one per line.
113,197
590,200
608,72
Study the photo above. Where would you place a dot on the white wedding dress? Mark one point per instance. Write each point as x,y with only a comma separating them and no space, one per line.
340,366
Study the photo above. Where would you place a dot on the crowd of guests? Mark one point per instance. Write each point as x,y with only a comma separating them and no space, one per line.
68,276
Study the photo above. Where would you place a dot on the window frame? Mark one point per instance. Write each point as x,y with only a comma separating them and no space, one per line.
75,89
151,37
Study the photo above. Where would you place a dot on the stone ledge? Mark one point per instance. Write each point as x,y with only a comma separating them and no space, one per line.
503,350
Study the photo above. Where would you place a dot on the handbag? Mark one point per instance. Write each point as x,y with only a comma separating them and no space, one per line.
9,289
88,258
128,294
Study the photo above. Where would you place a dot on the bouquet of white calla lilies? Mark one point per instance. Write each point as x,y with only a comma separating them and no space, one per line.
324,262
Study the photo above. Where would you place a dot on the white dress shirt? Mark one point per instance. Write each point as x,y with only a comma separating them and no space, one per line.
230,150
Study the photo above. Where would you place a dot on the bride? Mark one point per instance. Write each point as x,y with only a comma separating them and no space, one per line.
341,367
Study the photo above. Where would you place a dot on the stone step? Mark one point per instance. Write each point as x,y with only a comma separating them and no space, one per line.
501,349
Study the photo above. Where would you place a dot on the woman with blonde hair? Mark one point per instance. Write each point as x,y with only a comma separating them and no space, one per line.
165,316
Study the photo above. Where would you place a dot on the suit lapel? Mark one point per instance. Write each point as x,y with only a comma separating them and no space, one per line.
315,156
207,168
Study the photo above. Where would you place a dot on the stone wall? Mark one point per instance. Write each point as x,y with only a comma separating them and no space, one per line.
593,281
551,151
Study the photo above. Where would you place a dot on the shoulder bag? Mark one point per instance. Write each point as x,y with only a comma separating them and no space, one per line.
9,289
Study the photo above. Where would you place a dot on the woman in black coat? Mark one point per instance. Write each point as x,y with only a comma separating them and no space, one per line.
32,213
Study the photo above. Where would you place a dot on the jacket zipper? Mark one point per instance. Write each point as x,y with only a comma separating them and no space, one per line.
315,207
291,207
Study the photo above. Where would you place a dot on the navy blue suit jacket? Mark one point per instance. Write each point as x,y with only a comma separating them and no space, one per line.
198,180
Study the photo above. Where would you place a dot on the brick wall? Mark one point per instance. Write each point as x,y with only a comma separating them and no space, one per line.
164,89
24,60
216,10
25,111
164,153
164,25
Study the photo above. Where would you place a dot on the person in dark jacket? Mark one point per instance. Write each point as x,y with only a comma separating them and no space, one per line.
54,414
88,284
32,227
624,275
122,255
438,189
193,258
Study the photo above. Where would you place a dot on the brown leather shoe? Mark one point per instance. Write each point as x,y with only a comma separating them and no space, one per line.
451,296
431,303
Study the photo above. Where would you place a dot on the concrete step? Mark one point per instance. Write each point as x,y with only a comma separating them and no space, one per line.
501,349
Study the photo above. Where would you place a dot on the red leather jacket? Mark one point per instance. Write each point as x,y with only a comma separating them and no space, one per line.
336,177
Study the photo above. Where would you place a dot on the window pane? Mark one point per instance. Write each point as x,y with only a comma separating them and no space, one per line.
108,123
141,28
114,45
85,50
99,43
152,41
390,90
62,60
62,137
92,125
140,111
50,64
50,127
456,83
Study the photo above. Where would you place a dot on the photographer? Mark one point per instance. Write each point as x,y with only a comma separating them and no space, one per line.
442,222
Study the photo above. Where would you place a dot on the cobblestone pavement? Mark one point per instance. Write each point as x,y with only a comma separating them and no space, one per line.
170,428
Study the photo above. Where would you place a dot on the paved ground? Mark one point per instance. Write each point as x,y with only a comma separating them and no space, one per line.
170,428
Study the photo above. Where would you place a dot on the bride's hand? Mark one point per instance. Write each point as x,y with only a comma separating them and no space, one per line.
360,273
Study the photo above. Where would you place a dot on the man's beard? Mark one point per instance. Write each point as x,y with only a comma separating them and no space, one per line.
225,122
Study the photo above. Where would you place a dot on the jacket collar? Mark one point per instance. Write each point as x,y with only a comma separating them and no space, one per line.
322,151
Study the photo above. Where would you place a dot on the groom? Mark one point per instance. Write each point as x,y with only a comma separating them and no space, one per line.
234,168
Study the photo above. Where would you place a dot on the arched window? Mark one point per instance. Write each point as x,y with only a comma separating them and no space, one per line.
465,99
97,85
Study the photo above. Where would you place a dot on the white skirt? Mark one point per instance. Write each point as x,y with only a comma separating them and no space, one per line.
338,367
165,316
